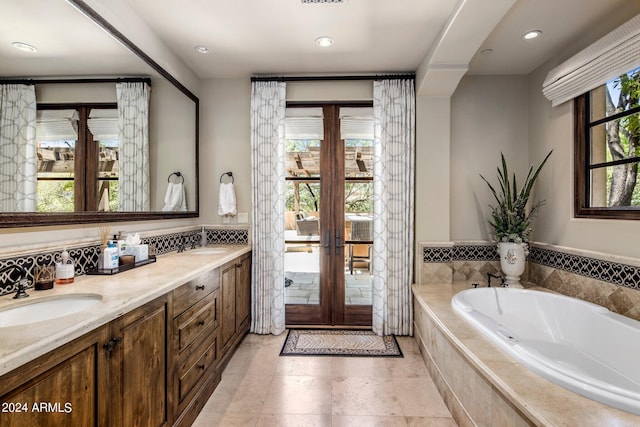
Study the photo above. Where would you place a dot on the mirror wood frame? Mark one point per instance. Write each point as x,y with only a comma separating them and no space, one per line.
35,219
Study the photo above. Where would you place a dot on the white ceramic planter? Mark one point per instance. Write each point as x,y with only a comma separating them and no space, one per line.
512,261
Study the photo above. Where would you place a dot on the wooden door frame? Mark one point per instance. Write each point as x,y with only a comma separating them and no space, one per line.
332,285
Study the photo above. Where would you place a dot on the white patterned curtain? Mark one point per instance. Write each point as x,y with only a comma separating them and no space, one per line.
267,170
394,171
18,157
133,125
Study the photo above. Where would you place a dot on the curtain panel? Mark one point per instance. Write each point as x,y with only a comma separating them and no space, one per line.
268,187
133,127
18,151
394,172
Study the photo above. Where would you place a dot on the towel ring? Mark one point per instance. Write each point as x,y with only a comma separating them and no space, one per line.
178,174
230,174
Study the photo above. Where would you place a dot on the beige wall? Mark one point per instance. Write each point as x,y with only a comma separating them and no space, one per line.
489,115
225,144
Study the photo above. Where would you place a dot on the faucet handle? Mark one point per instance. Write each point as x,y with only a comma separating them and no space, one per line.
22,286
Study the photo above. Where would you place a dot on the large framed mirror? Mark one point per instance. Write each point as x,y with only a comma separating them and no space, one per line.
79,63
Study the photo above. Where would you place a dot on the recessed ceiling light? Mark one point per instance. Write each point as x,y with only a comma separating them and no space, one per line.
24,46
324,41
532,34
201,49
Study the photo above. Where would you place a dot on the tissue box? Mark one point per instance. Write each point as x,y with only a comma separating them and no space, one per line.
140,252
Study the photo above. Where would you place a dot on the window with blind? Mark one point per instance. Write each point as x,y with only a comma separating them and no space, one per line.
607,149
77,148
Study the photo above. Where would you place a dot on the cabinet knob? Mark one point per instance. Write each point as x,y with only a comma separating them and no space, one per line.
109,345
201,323
200,288
201,367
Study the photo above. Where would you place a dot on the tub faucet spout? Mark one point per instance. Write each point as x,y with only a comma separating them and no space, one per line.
494,276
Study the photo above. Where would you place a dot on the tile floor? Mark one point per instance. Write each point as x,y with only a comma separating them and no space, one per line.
260,388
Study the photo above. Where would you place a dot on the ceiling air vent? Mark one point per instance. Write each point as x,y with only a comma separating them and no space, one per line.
321,1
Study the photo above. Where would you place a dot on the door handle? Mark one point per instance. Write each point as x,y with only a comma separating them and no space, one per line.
327,243
339,243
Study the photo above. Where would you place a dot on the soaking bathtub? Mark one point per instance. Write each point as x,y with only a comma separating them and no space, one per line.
578,345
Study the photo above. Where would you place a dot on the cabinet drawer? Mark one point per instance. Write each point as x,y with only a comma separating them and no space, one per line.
196,367
196,319
193,291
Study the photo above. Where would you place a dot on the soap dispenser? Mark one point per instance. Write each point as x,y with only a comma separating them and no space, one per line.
203,237
65,269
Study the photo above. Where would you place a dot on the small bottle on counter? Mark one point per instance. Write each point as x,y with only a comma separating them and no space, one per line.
65,269
110,257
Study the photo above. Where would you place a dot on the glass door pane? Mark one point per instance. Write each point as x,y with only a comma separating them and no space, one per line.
302,222
358,200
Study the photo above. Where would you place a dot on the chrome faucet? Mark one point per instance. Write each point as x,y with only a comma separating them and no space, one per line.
181,245
22,280
502,282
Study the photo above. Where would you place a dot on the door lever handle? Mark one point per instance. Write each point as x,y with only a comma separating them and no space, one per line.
339,243
327,243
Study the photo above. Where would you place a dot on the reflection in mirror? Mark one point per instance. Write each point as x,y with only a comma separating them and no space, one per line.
72,181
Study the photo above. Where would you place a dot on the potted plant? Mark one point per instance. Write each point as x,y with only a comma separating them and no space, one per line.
511,218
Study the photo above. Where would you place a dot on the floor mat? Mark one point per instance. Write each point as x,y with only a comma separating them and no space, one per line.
339,342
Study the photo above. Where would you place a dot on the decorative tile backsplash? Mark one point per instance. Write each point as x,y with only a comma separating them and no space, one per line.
612,282
86,257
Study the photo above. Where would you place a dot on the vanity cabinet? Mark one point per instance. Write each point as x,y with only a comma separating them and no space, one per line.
138,375
156,365
235,290
195,344
115,375
61,388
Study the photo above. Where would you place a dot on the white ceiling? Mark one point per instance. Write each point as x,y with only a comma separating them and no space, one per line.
276,37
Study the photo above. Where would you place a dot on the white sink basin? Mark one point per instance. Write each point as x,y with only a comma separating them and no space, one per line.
207,251
47,308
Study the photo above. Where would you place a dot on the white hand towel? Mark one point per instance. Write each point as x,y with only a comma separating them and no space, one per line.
227,200
175,198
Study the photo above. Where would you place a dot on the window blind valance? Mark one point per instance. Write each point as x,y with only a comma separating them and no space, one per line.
613,55
57,125
303,123
356,123
103,124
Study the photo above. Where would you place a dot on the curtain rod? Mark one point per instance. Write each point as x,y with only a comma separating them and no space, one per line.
146,80
333,78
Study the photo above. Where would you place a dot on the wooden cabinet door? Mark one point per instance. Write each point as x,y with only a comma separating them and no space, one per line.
62,388
139,368
228,291
243,290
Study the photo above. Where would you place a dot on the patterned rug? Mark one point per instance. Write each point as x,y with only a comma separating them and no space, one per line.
339,342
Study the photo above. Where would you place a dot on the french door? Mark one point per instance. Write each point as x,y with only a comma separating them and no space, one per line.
329,221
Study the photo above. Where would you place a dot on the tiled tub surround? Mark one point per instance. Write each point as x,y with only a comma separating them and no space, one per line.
483,386
85,253
610,281
120,293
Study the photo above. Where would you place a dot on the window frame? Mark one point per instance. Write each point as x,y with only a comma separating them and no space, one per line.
582,181
86,155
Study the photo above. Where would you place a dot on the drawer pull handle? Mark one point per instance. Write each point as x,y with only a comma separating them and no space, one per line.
201,367
200,288
201,323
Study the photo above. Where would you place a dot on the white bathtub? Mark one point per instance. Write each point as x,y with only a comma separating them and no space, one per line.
578,345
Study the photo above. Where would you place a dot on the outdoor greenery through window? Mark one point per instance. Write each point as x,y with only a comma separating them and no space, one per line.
607,149
77,148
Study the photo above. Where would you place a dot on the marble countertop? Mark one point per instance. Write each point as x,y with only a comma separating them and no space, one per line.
546,403
120,293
